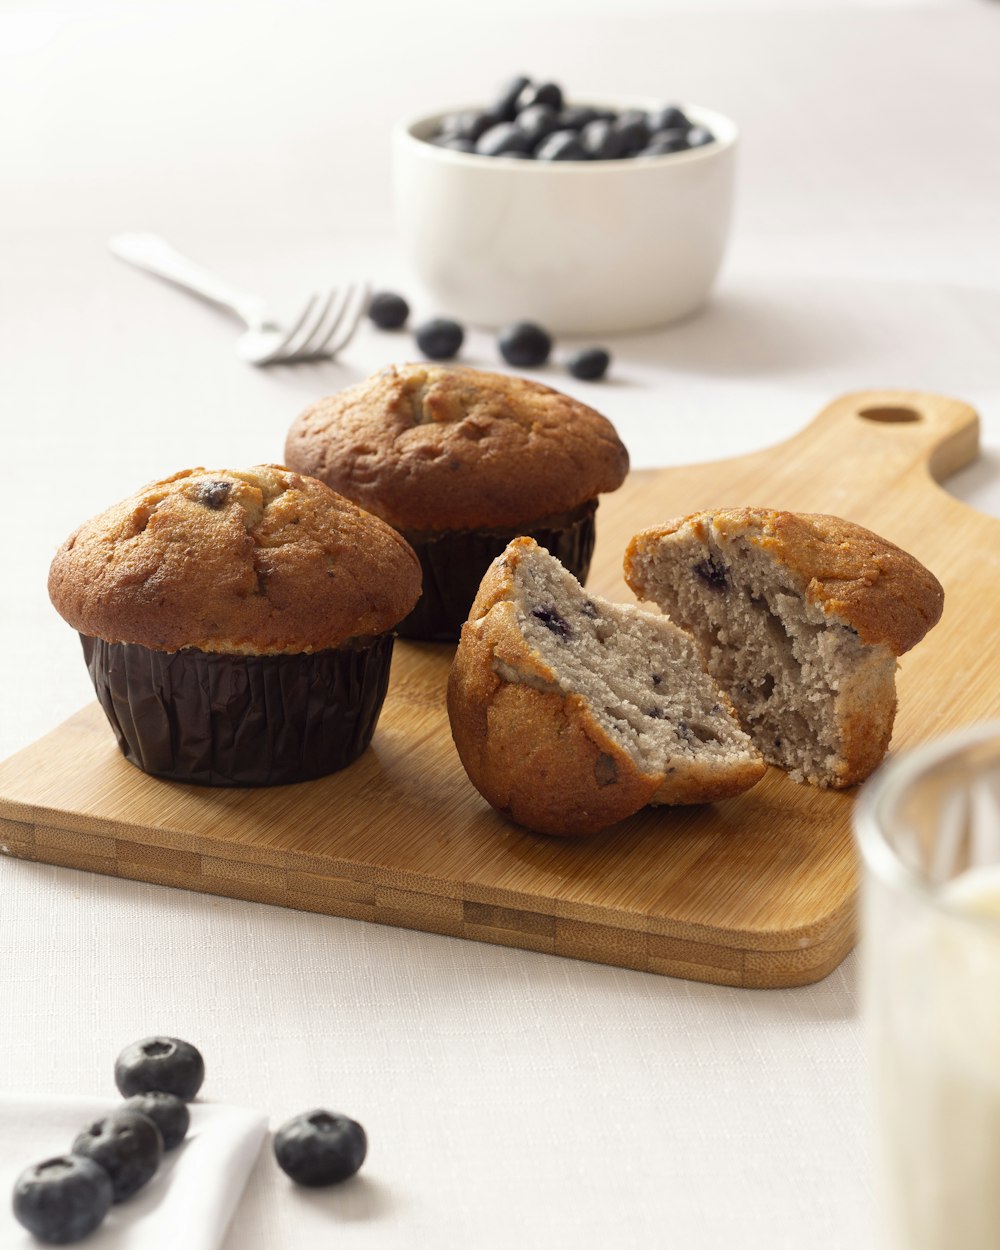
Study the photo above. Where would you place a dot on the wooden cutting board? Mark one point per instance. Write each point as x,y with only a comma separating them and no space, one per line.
754,891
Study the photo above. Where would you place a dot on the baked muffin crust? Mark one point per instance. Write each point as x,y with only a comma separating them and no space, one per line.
431,448
262,560
850,573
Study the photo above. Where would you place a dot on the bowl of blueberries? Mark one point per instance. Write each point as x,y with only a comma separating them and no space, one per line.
594,218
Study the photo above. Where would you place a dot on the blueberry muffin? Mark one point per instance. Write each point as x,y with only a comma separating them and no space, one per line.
238,625
570,713
460,462
800,618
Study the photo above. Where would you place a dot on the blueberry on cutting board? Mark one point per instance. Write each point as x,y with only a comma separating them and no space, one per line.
160,1063
62,1200
320,1148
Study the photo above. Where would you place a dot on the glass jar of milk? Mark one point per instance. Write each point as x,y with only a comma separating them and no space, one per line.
929,829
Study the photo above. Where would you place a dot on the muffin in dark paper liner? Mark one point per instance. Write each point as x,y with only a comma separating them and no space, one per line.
240,720
452,562
237,625
461,461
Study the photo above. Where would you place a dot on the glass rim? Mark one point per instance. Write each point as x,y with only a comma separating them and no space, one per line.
883,789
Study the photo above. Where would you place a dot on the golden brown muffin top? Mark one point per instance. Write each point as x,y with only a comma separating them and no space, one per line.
431,448
863,580
260,560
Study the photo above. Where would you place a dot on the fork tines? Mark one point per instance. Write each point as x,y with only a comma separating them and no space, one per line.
325,326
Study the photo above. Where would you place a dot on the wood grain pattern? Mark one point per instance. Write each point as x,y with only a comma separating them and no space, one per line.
756,891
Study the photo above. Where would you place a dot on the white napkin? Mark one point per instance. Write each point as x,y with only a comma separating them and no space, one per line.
190,1200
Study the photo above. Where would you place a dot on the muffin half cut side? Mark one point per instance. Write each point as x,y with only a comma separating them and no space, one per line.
800,618
570,712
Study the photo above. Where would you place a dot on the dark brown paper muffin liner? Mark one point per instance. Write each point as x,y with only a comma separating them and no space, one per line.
240,720
453,564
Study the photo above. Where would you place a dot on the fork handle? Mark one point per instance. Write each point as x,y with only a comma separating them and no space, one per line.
150,252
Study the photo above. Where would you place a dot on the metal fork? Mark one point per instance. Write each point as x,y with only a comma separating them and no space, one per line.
324,327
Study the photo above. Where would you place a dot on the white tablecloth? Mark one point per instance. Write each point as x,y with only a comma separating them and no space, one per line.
510,1098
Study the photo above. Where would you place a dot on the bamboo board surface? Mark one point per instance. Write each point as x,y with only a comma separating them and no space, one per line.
756,891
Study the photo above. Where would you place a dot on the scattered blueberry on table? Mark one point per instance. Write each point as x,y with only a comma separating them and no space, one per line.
127,1145
168,1112
525,118
166,1064
440,338
589,364
525,345
62,1200
388,310
320,1148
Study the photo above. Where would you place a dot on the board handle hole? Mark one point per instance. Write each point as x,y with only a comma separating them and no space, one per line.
890,413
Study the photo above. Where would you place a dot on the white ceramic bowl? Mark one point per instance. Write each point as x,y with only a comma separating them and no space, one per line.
584,248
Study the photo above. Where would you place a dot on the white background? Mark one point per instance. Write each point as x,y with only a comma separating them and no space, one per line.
511,1098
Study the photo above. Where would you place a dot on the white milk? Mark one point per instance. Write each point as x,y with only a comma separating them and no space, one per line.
936,1068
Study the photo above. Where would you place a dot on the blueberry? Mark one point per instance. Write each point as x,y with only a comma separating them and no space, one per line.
505,107
388,310
589,364
524,344
168,1113
537,122
698,136
561,145
576,116
160,1063
455,145
504,138
320,1148
665,142
468,125
712,572
62,1200
472,124
670,117
544,93
213,494
633,131
127,1145
553,621
601,141
440,339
